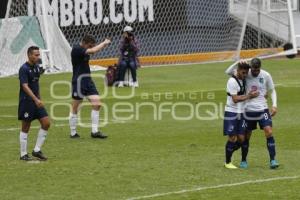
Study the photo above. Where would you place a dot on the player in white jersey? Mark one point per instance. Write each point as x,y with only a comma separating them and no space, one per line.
257,111
234,121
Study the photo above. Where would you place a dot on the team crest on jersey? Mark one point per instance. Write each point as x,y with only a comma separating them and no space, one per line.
26,115
261,80
244,125
230,129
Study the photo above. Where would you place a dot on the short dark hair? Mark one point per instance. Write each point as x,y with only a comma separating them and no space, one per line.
255,63
88,39
243,66
31,49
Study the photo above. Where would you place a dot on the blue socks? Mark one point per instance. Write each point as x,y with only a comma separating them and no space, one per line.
237,145
233,146
271,147
230,147
245,149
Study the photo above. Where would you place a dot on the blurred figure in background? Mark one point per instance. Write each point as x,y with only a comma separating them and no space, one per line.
129,49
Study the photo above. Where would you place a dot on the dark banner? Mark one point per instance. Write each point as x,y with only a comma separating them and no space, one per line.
3,5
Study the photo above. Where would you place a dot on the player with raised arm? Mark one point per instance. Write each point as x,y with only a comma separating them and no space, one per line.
257,111
30,105
83,85
234,121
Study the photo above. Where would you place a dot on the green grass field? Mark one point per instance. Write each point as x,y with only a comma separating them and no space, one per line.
163,159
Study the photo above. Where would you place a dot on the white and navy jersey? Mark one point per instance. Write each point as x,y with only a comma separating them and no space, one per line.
262,83
234,88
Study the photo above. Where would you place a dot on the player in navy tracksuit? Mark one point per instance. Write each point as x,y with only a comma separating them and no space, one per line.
83,85
30,105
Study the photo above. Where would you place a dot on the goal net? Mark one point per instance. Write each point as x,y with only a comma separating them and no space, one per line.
19,33
174,31
269,29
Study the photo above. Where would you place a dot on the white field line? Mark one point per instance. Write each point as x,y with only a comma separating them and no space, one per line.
113,121
17,129
8,116
214,187
32,127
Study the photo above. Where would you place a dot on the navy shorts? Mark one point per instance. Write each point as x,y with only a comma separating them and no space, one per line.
28,111
234,123
87,88
262,118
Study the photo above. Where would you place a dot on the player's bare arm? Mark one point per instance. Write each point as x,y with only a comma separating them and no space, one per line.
98,47
29,92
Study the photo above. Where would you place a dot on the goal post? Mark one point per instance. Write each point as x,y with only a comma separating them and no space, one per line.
47,37
276,20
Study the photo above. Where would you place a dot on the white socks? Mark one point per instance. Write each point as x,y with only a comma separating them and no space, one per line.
39,142
23,143
73,123
95,120
40,139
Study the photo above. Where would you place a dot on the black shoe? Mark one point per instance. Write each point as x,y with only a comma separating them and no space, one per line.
75,136
39,155
98,135
26,158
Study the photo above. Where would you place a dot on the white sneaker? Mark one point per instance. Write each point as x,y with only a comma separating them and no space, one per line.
121,84
135,84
